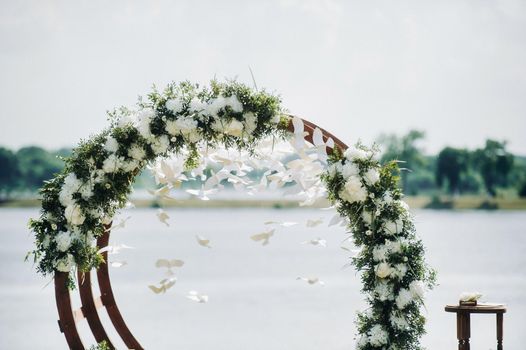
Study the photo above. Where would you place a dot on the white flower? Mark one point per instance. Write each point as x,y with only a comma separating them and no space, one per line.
160,144
394,227
403,205
350,169
353,153
175,105
196,105
371,176
65,264
234,128
74,215
353,191
380,253
86,191
276,119
378,336
63,241
384,291
383,270
234,103
250,123
398,322
404,298
71,185
418,289
129,166
215,105
393,246
399,271
334,169
183,126
136,152
111,164
363,341
111,145
144,119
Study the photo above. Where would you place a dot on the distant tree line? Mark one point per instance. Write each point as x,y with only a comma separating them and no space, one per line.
25,170
490,170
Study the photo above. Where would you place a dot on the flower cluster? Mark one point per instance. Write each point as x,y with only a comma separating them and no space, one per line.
97,178
391,256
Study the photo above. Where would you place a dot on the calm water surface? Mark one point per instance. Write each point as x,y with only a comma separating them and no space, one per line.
255,300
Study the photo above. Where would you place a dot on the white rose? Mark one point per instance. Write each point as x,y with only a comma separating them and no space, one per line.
350,169
394,227
175,105
404,298
234,128
378,336
362,342
111,145
371,177
145,117
74,215
65,264
45,242
398,322
399,271
384,291
111,164
63,241
86,191
380,253
129,166
160,144
234,103
353,153
136,152
383,270
353,191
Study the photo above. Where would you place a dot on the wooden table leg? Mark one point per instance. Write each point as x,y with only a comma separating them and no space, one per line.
500,329
463,330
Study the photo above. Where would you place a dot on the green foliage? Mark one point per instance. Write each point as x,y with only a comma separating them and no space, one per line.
9,171
37,165
369,220
406,150
494,164
100,346
452,163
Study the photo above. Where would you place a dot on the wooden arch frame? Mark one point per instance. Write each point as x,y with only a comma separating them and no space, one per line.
68,317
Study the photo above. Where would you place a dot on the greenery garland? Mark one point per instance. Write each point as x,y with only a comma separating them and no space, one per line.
97,178
391,257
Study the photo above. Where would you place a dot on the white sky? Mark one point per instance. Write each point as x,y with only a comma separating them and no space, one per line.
456,69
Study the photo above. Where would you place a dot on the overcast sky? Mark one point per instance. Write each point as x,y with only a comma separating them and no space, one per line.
456,69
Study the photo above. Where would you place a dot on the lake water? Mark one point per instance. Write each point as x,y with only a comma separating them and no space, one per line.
255,300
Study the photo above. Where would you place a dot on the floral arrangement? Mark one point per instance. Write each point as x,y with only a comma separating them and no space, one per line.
186,118
391,257
97,178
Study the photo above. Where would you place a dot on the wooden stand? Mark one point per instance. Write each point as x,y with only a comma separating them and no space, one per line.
464,321
68,317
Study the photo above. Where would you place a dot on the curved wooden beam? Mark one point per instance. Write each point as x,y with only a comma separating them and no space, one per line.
109,300
89,309
309,128
66,320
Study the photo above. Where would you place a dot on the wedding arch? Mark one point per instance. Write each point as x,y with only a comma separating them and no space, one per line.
79,203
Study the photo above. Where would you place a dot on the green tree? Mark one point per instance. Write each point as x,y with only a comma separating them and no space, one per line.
452,163
406,150
494,164
36,166
9,172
